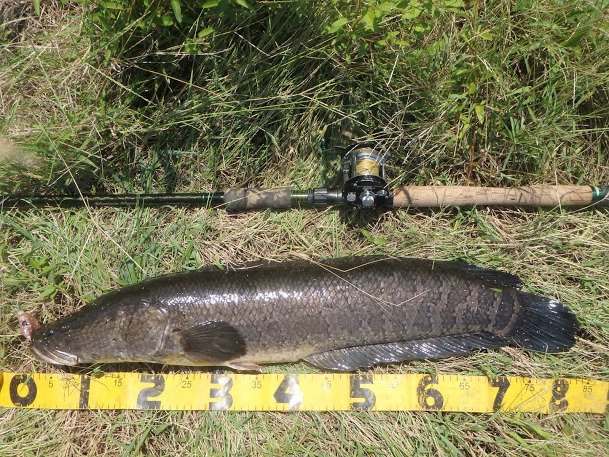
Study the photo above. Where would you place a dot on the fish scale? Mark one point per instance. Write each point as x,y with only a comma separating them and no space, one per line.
339,314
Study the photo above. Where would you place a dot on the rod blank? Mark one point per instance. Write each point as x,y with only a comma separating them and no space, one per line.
112,200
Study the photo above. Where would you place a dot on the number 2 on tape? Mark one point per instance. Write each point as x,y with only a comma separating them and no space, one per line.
143,398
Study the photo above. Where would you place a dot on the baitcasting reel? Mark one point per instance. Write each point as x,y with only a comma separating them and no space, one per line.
364,176
365,183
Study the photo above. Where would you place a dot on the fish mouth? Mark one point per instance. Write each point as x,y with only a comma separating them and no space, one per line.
55,357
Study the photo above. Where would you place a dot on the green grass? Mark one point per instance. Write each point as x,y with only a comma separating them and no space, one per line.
496,93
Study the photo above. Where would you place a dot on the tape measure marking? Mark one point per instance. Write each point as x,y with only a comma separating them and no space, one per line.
303,392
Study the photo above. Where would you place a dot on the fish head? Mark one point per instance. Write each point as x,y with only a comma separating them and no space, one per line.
109,331
48,348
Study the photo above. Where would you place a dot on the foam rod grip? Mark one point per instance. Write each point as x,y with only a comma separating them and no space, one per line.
540,195
243,199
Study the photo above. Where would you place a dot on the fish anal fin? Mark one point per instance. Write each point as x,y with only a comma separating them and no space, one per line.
352,358
212,342
244,366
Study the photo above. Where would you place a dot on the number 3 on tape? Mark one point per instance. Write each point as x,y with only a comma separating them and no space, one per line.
220,398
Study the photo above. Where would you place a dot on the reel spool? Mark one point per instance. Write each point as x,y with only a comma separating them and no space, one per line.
365,185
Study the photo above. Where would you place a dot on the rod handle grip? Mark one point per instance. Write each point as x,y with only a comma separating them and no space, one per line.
538,196
243,199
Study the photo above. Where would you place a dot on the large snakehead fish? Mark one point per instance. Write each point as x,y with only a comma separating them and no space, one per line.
339,314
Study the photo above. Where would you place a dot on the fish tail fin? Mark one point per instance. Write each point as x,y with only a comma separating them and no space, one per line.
544,325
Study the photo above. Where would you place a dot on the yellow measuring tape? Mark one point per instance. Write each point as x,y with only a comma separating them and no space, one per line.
303,392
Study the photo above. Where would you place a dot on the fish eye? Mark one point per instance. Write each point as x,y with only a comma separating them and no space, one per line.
49,333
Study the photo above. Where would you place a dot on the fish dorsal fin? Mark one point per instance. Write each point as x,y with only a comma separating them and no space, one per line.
352,358
499,278
212,341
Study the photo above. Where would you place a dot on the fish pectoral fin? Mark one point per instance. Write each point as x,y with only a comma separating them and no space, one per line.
212,342
244,366
352,358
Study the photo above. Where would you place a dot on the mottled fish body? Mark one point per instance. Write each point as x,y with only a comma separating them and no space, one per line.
339,314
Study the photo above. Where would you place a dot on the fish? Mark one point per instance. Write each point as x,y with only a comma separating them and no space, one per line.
340,314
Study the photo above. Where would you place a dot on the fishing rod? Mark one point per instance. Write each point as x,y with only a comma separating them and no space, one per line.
364,188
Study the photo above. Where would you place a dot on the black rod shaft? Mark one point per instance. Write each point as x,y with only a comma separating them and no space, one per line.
113,200
234,199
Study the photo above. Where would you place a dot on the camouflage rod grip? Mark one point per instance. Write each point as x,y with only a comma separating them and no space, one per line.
242,199
540,195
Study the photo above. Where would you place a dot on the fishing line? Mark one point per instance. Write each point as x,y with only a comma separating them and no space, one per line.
304,392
